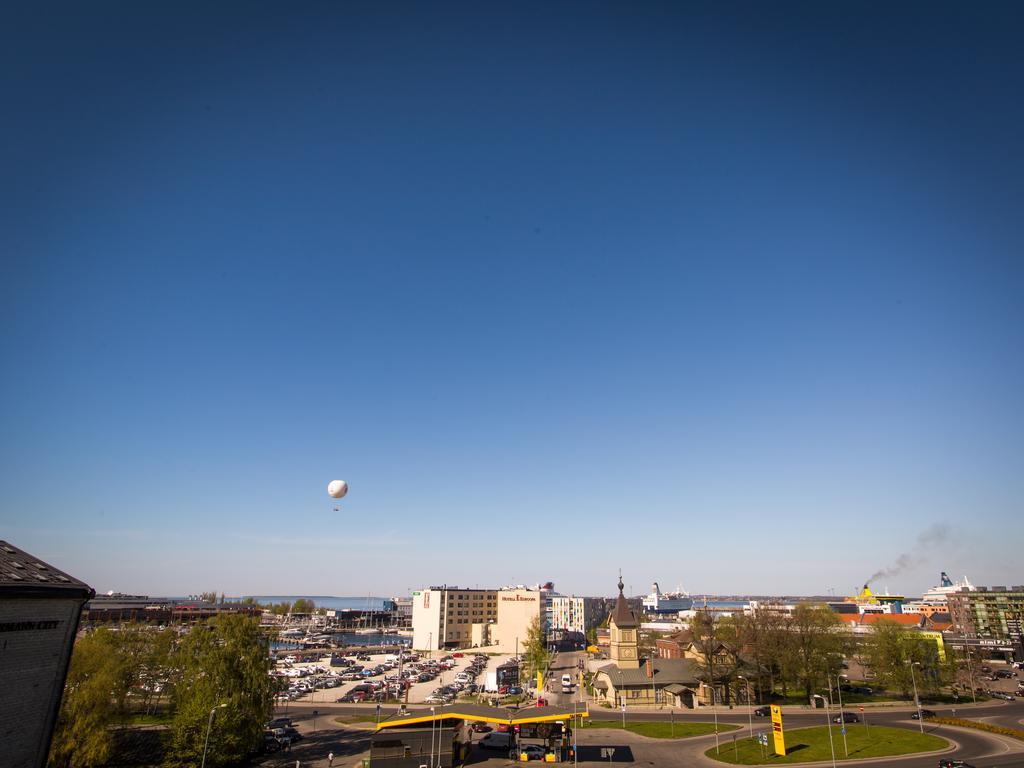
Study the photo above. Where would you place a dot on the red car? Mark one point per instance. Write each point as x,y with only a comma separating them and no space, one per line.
457,655
503,728
481,728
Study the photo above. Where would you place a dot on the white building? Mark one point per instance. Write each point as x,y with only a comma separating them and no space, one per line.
498,620
449,617
517,609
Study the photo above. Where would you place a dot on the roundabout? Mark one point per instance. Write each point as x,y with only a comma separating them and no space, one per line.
806,745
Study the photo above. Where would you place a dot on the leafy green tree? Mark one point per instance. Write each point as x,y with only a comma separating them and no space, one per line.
302,605
281,609
891,651
225,661
758,636
95,678
818,644
535,648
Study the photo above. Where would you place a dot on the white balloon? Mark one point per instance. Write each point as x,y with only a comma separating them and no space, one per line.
337,488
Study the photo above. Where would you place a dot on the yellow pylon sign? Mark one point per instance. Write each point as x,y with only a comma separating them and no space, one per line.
777,733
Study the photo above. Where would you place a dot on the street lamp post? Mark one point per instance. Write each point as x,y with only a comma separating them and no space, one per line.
431,737
209,723
750,707
714,707
828,720
970,673
917,700
842,714
575,747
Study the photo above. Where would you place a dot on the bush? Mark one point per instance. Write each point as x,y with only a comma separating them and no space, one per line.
964,723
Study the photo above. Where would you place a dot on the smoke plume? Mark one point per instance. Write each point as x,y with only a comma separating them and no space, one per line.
932,536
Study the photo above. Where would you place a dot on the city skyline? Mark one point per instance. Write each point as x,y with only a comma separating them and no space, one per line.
725,297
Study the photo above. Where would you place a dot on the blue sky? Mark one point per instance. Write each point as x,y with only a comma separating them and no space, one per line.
725,296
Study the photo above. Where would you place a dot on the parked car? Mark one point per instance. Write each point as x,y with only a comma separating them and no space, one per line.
846,717
763,712
533,752
514,690
496,741
923,713
481,728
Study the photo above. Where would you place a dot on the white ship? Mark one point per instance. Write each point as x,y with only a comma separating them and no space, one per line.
667,602
937,594
934,600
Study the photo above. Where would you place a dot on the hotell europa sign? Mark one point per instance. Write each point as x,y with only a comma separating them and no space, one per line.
519,599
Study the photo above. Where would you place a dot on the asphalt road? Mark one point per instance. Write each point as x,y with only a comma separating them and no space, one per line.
976,747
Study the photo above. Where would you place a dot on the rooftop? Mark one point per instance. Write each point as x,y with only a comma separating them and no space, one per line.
22,573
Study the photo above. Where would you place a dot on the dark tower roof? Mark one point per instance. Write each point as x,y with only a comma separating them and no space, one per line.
621,615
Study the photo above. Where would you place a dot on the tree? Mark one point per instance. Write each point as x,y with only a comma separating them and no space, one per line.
95,677
759,635
818,645
717,662
302,605
208,597
535,648
281,609
223,662
892,651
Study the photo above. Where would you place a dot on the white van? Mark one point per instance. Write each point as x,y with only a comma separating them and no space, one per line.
495,740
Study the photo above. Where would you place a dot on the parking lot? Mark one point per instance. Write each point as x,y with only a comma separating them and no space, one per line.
431,678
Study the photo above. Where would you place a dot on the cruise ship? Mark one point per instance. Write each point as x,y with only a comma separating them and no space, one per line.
667,602
934,600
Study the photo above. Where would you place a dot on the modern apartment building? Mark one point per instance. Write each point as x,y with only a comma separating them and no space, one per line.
568,614
993,612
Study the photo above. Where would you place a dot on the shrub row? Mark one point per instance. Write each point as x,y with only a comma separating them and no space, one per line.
963,723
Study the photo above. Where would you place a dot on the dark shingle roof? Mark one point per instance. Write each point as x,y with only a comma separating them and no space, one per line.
22,573
666,671
621,615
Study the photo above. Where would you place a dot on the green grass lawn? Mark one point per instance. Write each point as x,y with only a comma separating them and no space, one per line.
805,745
680,730
369,717
139,718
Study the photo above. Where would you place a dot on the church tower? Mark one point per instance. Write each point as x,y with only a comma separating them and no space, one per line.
623,627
